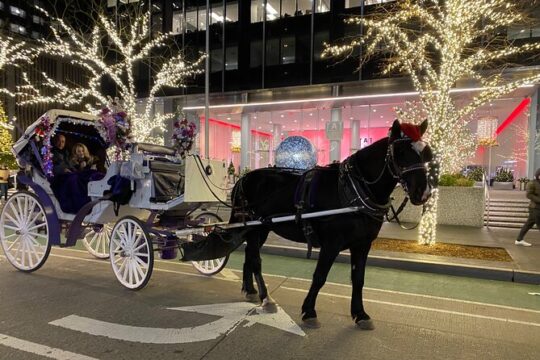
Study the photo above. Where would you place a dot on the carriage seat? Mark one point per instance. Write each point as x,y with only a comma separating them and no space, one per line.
168,180
154,149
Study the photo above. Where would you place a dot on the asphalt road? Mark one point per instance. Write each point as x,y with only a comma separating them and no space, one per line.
73,308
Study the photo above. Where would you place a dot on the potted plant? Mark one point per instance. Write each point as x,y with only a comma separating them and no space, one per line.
523,183
504,180
477,175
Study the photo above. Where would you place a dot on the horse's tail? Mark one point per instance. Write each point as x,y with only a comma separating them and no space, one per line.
220,242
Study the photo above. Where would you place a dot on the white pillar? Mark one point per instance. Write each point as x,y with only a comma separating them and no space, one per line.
335,145
245,140
355,136
276,139
533,162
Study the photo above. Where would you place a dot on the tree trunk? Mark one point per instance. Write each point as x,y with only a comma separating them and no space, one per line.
428,224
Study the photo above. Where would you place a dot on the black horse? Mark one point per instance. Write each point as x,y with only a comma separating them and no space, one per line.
365,179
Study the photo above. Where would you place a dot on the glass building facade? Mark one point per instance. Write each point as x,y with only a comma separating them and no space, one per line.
269,81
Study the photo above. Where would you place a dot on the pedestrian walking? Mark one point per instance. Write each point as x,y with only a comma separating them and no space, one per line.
533,194
4,181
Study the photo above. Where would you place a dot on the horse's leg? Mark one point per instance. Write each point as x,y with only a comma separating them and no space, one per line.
326,259
358,269
253,264
247,274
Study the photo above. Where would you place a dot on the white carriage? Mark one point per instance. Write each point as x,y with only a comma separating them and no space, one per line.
167,194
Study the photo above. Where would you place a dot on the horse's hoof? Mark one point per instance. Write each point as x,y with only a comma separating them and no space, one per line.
268,306
365,324
254,298
312,323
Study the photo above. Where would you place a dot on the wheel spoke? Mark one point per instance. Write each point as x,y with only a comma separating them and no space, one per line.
142,263
11,227
36,226
16,222
14,211
13,243
38,235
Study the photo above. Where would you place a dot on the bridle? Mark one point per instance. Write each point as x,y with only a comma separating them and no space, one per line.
357,186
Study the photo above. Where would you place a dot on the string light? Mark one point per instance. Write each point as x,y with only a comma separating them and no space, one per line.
12,52
131,43
459,40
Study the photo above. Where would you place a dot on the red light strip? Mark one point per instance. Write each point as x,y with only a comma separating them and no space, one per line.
517,111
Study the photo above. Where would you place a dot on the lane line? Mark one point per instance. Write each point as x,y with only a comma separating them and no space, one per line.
41,350
309,281
416,307
347,286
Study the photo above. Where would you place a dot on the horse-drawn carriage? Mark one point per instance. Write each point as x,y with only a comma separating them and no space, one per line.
105,206
347,214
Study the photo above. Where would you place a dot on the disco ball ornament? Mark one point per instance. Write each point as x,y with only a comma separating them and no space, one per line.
296,152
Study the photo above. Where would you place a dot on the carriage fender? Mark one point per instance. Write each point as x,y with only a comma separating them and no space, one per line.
48,207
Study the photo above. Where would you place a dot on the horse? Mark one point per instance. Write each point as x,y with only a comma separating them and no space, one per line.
365,179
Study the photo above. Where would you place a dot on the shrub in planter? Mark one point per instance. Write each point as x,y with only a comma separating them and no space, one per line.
504,175
455,180
476,174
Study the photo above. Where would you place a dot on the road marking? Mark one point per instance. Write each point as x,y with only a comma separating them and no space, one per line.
231,316
228,274
347,286
432,297
39,349
416,307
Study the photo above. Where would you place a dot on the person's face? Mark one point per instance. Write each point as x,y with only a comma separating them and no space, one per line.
61,142
79,152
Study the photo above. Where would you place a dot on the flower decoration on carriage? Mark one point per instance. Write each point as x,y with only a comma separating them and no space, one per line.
43,133
117,126
184,133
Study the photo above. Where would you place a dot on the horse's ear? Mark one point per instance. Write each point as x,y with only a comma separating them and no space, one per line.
395,131
423,127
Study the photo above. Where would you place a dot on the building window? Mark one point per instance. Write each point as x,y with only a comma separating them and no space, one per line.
17,11
303,7
257,11
288,50
272,10
35,35
178,22
518,33
216,15
352,3
191,20
255,53
157,24
232,11
322,6
318,40
202,18
1,5
288,8
231,58
373,2
38,20
272,52
216,60
17,29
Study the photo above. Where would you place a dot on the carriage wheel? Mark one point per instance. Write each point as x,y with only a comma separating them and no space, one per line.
24,232
214,266
131,254
97,240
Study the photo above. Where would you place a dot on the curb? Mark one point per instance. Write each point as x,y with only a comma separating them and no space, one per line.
486,273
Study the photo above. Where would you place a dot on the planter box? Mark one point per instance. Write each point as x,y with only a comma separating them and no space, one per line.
457,206
479,184
503,185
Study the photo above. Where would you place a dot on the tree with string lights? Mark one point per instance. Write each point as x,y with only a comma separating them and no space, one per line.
437,43
111,51
12,53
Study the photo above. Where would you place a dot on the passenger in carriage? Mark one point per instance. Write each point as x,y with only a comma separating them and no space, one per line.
60,156
81,159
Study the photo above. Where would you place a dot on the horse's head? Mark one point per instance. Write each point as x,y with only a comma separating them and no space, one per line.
408,158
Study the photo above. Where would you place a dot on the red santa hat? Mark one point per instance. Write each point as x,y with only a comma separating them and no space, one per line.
412,131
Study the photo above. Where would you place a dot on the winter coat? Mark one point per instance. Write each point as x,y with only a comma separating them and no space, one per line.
533,191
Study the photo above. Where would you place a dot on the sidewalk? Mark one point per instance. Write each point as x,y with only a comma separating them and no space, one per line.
525,267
